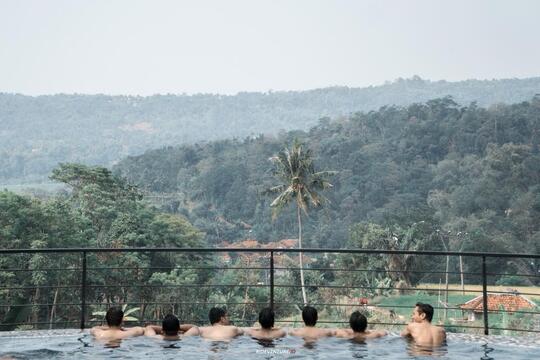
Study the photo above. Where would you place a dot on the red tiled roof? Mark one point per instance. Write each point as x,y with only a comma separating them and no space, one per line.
508,302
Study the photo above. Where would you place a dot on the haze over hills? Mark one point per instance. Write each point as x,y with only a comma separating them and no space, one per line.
37,133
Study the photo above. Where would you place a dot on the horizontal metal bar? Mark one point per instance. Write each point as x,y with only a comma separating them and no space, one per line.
506,274
267,268
40,287
404,289
254,286
375,288
183,268
175,286
377,271
262,304
44,269
40,305
262,250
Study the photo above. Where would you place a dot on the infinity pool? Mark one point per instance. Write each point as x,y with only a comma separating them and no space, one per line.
72,344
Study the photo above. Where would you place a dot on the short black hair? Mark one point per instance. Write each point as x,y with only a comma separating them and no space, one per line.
215,314
170,325
358,322
114,316
425,309
309,315
267,318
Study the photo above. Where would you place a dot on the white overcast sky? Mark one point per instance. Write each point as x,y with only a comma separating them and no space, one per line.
227,46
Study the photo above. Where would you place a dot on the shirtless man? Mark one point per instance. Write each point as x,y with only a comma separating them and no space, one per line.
267,330
113,330
310,332
170,329
220,328
358,323
421,330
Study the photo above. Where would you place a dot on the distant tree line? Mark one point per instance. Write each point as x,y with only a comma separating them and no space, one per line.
36,133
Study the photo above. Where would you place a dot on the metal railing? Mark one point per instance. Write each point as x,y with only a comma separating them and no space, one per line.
136,284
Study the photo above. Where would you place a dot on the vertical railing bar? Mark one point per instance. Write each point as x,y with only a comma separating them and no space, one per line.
484,295
272,279
83,290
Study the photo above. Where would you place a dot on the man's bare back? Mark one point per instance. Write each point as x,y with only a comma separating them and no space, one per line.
265,334
311,333
114,330
425,334
365,335
421,329
358,330
220,329
108,334
219,332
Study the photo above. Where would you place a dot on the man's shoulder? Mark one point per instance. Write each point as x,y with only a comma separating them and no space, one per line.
439,329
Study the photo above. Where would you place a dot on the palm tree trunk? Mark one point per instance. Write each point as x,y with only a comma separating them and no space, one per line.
53,309
304,297
461,275
446,286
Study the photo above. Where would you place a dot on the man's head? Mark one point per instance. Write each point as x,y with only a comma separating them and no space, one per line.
218,315
309,315
422,312
266,318
170,325
358,322
114,317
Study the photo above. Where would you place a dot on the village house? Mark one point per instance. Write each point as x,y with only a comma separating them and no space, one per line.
496,302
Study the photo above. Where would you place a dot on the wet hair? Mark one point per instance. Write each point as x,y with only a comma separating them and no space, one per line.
425,309
266,318
170,325
309,315
114,316
215,314
358,322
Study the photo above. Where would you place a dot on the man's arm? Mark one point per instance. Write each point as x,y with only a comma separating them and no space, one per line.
295,332
331,332
407,331
186,327
239,331
134,331
193,331
342,333
377,333
149,330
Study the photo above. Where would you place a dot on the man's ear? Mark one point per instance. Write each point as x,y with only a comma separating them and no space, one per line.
423,316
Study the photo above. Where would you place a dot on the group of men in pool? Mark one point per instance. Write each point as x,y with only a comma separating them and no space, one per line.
419,329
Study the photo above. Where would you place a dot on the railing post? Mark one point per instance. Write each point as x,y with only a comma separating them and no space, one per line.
272,279
83,290
484,295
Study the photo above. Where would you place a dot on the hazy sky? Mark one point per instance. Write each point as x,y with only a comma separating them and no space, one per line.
226,46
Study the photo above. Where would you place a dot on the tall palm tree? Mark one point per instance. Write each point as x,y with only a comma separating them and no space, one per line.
299,184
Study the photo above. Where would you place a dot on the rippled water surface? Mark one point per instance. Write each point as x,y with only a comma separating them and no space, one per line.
73,344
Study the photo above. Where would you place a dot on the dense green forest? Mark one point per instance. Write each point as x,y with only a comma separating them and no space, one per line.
462,177
434,175
36,133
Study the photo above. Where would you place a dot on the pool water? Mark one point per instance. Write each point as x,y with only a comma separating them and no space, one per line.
72,344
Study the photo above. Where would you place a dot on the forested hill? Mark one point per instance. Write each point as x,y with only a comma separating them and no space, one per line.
38,132
469,170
